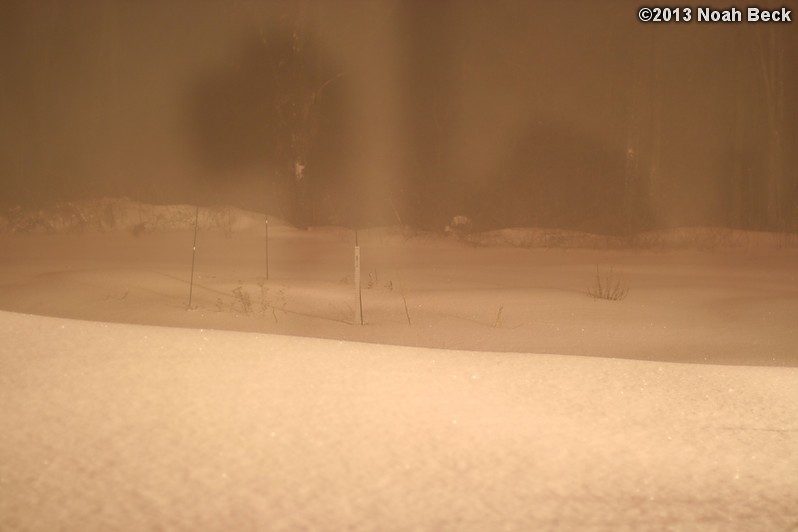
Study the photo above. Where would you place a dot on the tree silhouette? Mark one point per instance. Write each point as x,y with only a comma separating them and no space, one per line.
269,107
770,56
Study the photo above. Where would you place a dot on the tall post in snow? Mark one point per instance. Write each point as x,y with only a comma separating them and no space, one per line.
358,295
267,247
193,257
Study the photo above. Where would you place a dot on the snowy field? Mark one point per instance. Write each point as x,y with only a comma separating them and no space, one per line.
124,427
264,407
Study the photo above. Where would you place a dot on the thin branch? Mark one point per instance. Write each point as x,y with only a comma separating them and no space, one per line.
317,94
766,76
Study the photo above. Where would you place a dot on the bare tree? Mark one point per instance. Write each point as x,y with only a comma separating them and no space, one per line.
304,81
270,106
638,126
770,55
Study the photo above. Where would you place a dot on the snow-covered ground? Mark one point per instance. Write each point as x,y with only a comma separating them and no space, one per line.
124,427
692,424
693,295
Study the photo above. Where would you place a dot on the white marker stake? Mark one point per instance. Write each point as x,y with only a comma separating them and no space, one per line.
358,297
267,247
193,256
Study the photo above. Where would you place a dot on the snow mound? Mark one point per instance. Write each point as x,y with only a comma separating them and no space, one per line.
109,214
702,238
114,214
542,238
121,427
714,238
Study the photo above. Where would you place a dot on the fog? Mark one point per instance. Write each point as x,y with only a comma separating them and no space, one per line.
396,265
574,116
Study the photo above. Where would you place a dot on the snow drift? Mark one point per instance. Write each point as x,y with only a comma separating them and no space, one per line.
121,427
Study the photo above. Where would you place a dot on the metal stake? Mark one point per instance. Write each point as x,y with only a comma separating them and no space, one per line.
358,293
193,257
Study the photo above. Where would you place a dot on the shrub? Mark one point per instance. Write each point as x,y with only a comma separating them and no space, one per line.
608,286
243,299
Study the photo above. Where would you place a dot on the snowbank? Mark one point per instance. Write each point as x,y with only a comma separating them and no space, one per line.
701,238
123,214
122,427
109,214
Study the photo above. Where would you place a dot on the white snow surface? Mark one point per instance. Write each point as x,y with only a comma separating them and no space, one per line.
262,407
126,427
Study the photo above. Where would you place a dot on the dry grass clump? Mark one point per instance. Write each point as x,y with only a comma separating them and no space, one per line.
608,286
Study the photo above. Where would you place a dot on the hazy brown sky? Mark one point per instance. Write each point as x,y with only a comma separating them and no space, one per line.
448,105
